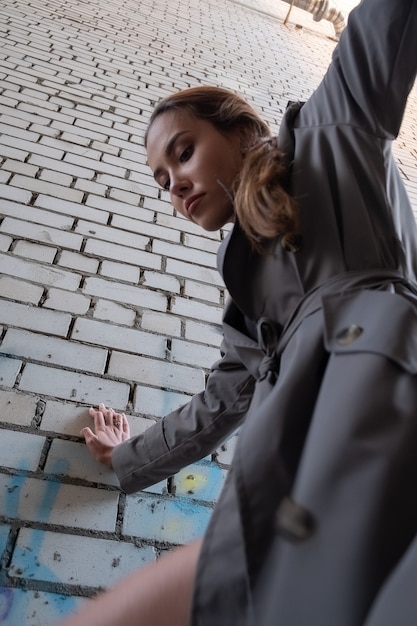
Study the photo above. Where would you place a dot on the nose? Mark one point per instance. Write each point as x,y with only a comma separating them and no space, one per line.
179,186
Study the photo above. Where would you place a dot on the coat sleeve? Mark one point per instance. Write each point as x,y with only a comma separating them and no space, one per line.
194,430
373,68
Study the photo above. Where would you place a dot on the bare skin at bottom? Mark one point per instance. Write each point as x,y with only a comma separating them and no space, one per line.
159,594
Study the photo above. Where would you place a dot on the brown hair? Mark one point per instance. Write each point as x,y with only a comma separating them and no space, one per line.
263,207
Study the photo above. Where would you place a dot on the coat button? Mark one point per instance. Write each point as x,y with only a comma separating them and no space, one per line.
293,521
292,242
349,335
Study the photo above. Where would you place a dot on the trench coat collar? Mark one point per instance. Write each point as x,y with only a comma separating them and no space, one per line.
237,262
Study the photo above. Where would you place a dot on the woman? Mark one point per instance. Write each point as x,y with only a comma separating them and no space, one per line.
317,518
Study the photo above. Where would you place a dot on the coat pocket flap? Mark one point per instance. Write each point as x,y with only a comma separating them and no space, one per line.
380,322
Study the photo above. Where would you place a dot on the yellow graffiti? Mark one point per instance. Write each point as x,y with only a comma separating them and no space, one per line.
192,483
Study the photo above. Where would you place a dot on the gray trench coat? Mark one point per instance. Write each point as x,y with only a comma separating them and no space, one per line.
317,519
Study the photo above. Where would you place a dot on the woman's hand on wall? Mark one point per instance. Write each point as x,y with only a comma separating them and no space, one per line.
110,430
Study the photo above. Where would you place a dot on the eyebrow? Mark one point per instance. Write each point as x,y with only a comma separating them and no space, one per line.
168,151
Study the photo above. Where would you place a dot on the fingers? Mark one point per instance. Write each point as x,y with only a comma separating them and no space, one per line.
107,418
89,436
125,426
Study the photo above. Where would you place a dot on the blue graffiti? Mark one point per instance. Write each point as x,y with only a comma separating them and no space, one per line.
14,602
6,602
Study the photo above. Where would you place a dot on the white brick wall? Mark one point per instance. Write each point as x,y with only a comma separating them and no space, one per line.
106,294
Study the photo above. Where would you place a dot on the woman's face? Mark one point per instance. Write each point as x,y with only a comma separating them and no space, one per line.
197,164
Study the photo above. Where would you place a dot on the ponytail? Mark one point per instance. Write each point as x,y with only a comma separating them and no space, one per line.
264,208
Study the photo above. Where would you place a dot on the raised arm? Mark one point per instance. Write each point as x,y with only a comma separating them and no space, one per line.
373,68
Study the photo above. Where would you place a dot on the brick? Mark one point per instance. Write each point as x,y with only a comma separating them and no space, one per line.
156,373
38,273
4,176
152,230
106,233
202,291
156,402
155,204
12,153
196,272
46,501
133,165
33,318
61,166
70,419
15,407
202,481
162,282
35,93
9,370
32,214
197,310
78,262
61,300
161,323
44,130
105,147
17,195
224,454
41,233
58,178
19,290
181,223
201,243
20,450
184,254
128,339
37,607
14,121
127,197
77,130
175,521
53,350
4,535
64,418
52,556
20,168
79,463
126,185
86,157
96,129
121,271
117,252
209,334
126,294
112,312
31,147
193,354
73,386
25,135
5,242
108,173
121,208
35,251
90,187
40,186
21,114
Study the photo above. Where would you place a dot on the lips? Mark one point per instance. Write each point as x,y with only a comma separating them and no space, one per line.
192,203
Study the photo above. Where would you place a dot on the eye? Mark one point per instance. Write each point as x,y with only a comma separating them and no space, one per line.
186,154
